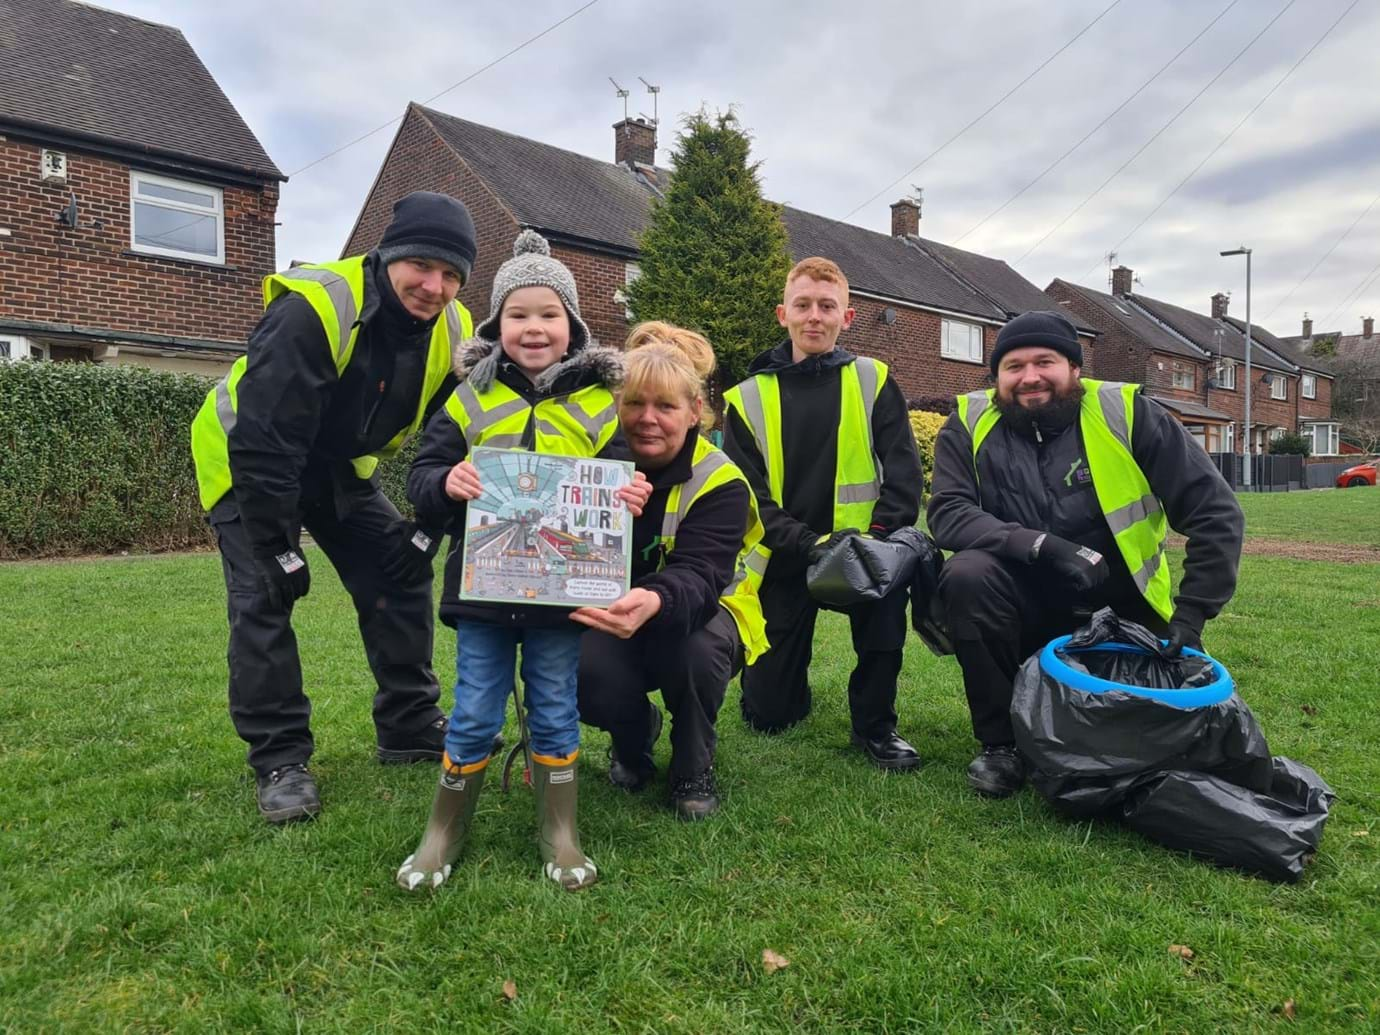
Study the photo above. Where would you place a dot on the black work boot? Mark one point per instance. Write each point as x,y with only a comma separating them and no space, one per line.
427,745
695,797
998,772
634,774
887,751
287,794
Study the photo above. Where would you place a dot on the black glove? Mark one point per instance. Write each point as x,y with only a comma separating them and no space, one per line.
408,560
283,577
1080,567
825,543
1185,630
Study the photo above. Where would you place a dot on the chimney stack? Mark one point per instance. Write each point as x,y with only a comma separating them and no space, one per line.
1219,306
1121,280
1367,326
905,218
1307,326
634,141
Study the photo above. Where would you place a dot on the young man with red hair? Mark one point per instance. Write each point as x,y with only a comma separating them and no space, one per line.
825,441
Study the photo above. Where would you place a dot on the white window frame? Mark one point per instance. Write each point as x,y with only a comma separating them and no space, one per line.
1185,371
949,346
1226,377
1279,388
631,271
23,348
218,211
1330,434
1230,439
1308,386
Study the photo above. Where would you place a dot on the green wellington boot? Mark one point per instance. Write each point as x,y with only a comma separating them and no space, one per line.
563,860
451,812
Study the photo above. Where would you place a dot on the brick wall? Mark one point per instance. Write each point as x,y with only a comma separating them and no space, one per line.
910,348
597,277
1319,408
88,276
1118,355
421,160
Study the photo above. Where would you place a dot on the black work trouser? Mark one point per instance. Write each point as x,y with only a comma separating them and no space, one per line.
1000,612
692,674
776,689
267,705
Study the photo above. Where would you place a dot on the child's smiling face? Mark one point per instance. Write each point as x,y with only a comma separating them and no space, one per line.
534,329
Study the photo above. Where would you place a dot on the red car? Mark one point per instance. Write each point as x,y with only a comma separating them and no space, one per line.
1361,474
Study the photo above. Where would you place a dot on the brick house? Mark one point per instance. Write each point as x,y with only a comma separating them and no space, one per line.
930,311
1358,354
136,206
1195,366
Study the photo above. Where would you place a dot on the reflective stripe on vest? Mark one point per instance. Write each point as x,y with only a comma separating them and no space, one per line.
1132,512
335,291
710,469
580,423
857,479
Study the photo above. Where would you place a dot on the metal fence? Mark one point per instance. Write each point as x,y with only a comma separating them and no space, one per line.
1268,473
1324,475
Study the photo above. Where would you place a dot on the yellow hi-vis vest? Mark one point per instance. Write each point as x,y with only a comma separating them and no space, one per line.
857,482
335,290
1130,508
710,469
578,423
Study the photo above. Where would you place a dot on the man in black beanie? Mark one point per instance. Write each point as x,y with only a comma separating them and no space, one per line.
347,362
1056,493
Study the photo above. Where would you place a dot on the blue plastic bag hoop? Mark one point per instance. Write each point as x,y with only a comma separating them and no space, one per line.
1190,697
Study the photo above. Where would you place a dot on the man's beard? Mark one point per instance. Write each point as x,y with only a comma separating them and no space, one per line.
1054,414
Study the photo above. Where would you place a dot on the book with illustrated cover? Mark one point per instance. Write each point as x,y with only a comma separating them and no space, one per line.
547,530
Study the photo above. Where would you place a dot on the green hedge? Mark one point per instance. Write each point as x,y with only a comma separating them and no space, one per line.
97,459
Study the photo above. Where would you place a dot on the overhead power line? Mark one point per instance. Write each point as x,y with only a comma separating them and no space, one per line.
1353,294
1232,132
453,86
1335,245
993,107
1110,115
1155,136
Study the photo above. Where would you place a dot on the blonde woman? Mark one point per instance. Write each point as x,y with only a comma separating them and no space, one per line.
692,616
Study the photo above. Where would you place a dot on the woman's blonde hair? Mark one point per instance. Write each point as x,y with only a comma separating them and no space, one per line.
669,362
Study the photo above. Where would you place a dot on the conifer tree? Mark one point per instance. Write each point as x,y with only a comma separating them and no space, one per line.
714,255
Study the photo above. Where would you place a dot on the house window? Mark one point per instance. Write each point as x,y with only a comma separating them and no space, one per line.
1322,438
1310,386
959,340
631,271
1226,377
1183,376
12,349
1231,439
1278,390
176,218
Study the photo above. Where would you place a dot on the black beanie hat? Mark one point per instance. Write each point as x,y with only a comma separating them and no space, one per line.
1039,329
427,225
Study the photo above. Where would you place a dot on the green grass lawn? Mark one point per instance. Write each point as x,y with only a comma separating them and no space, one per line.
140,891
1350,516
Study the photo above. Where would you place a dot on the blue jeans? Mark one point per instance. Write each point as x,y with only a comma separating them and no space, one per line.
485,661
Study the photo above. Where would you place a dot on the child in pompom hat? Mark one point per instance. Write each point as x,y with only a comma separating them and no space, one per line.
533,349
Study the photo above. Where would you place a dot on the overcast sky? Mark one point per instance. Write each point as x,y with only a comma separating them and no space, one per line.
844,99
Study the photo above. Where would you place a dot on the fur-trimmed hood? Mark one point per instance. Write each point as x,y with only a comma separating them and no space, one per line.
477,360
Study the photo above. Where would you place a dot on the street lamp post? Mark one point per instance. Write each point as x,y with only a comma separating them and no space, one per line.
1243,250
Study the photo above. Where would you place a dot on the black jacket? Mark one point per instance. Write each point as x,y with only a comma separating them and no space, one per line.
299,423
1040,483
810,408
443,446
705,557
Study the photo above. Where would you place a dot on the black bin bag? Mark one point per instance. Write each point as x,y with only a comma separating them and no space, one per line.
860,568
1112,727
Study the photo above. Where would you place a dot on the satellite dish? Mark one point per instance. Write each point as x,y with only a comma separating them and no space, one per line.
888,316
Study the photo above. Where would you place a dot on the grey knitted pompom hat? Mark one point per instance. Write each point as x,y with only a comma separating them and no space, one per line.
533,266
